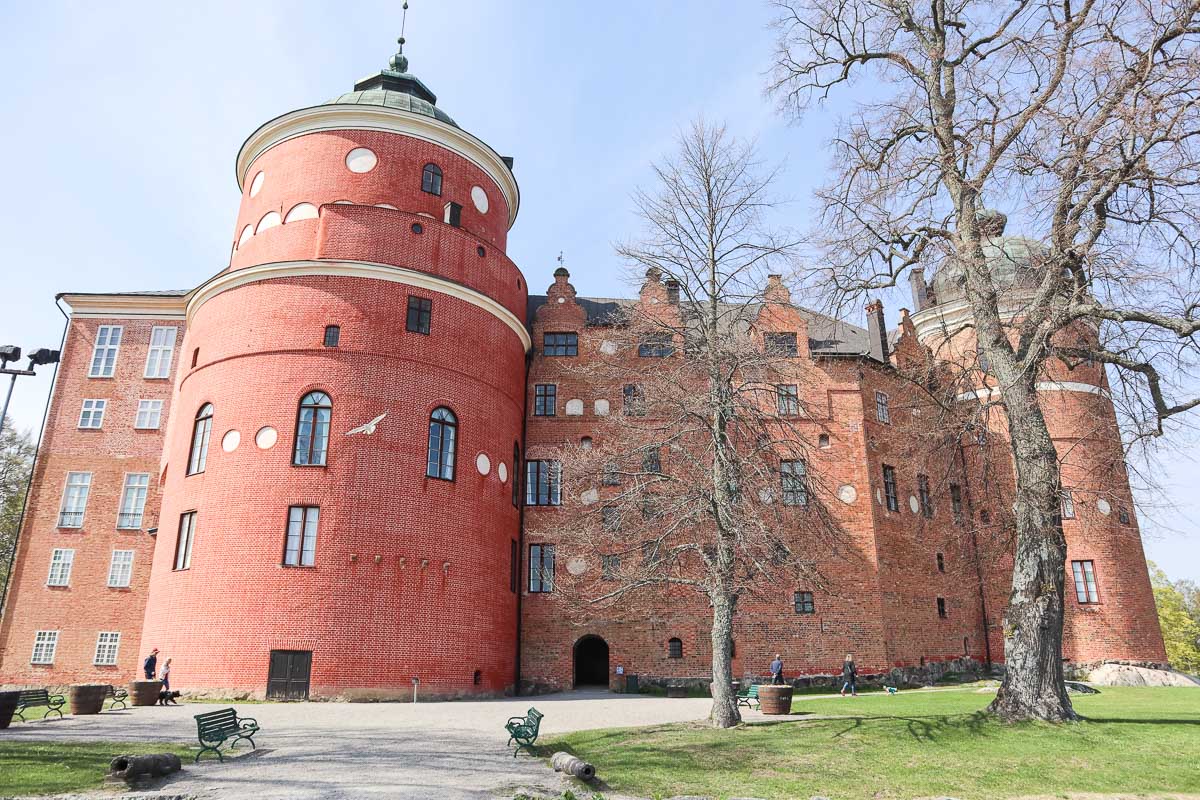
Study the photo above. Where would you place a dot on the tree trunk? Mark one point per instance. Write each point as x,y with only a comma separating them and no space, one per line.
725,712
1033,686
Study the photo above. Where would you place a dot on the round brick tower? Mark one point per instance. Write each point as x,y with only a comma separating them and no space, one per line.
1110,613
339,518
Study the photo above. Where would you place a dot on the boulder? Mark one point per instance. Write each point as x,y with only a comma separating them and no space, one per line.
1129,675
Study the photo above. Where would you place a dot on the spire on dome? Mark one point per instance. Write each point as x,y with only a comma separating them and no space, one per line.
399,62
396,77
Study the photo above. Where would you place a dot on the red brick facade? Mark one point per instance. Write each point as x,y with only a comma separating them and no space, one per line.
413,576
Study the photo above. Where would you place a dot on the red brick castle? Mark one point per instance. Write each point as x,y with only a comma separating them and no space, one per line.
319,472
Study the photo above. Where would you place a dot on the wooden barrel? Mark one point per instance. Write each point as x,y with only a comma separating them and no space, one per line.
775,699
87,698
144,693
8,704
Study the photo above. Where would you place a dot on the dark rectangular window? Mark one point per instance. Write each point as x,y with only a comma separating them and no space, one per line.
513,567
889,488
541,568
1066,504
545,398
1085,581
882,412
610,566
452,214
634,398
560,344
610,518
300,548
657,345
420,311
542,484
333,334
923,494
956,501
793,480
650,552
941,605
803,602
652,461
781,344
941,562
674,648
787,399
183,544
611,475
516,475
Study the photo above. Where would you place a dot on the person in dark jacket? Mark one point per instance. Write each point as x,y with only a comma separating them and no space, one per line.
849,676
150,665
777,670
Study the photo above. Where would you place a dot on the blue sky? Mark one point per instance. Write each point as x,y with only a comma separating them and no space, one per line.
121,122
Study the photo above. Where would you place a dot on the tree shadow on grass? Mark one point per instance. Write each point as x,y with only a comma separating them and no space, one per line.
925,729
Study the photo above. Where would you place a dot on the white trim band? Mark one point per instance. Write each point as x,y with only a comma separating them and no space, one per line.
355,269
1042,386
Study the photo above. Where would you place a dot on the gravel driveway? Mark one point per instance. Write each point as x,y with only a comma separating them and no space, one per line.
372,750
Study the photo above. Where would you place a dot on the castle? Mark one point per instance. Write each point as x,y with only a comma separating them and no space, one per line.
320,473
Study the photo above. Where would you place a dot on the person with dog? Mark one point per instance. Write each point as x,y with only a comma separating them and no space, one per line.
849,676
150,665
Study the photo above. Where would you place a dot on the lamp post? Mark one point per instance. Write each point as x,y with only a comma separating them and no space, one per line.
9,353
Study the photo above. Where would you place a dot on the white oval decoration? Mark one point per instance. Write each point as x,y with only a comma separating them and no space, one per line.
913,504
256,184
360,160
1103,507
483,464
502,472
847,493
480,199
266,437
577,566
230,441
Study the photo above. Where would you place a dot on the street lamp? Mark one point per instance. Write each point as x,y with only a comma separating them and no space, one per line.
10,353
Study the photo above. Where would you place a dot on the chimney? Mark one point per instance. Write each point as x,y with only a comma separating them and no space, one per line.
920,291
876,332
776,291
673,291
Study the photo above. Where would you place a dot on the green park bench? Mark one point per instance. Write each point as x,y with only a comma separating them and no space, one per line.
524,730
748,697
217,727
36,698
118,695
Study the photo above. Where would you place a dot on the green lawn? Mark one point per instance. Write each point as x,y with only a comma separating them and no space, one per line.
46,768
914,744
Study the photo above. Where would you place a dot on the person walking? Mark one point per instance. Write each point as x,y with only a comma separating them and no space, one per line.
150,665
849,676
166,676
777,670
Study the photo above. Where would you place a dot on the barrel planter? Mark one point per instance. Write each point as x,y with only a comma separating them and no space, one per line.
144,693
775,699
87,698
8,704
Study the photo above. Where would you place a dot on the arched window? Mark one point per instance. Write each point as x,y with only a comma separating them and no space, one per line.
516,475
200,433
674,648
431,179
443,427
312,430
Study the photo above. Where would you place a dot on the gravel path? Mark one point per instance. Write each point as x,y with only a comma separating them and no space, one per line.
371,750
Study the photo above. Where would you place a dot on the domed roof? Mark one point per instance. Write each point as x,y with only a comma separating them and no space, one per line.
390,98
1013,261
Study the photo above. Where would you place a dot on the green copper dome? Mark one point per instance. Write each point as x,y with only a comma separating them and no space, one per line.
395,87
1013,261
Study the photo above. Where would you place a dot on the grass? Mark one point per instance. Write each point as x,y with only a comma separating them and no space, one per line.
46,768
914,744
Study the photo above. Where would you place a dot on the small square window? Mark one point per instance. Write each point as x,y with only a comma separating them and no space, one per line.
657,345
45,643
803,602
560,344
149,415
420,314
333,335
674,648
781,344
92,415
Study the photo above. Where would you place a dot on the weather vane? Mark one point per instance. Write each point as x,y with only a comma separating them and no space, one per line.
403,22
560,258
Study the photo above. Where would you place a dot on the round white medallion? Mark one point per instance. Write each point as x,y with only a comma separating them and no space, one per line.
266,437
1103,507
230,441
847,493
562,299
913,504
479,198
256,184
483,464
360,159
577,566
502,472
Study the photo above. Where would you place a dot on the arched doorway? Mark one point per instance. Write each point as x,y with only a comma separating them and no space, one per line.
591,662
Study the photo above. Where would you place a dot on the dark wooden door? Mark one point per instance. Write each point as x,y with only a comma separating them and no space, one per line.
288,676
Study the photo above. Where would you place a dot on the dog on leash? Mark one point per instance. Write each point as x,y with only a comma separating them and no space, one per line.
165,697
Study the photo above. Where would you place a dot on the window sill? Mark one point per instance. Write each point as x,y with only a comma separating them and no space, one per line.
58,586
100,377
88,428
310,466
157,377
298,566
121,588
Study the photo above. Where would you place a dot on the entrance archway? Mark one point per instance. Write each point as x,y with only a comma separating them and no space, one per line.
591,662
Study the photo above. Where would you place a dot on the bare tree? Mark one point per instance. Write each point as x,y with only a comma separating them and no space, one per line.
16,462
696,484
1083,117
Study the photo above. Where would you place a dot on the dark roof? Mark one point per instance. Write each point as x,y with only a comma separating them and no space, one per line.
826,335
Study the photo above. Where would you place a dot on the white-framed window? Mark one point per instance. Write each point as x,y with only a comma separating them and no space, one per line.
104,352
149,414
61,560
133,500
44,645
882,412
183,544
300,549
158,357
108,643
92,414
1085,582
75,497
120,570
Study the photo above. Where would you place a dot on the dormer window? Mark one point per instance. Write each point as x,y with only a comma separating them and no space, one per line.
431,179
781,344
